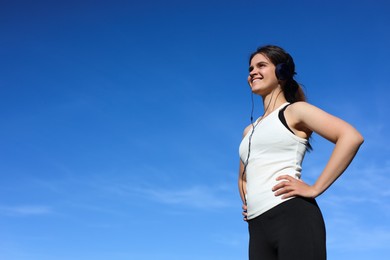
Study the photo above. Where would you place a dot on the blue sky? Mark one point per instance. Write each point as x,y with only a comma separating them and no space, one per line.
121,120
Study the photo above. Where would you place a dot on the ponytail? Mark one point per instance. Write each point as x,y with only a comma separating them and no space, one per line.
293,92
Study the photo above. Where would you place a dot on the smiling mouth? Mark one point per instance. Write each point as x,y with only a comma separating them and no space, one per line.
254,80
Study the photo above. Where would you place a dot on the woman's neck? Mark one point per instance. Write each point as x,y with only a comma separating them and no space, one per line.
272,101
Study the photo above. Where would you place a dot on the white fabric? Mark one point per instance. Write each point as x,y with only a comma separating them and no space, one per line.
274,151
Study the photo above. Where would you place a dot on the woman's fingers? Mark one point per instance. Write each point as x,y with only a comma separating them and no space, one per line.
244,212
289,187
282,187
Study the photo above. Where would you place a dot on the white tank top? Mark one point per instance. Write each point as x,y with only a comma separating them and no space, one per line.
274,151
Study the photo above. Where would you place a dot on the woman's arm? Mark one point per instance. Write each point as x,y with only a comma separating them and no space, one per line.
242,180
346,138
242,189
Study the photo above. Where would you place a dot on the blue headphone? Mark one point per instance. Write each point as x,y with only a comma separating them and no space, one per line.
283,71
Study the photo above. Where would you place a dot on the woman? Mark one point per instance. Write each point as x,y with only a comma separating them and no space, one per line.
283,218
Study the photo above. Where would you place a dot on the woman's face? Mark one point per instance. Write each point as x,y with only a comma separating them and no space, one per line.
262,78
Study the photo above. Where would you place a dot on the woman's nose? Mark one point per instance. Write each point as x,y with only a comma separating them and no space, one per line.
252,73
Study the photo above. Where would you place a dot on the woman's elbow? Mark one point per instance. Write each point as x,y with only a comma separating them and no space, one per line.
358,139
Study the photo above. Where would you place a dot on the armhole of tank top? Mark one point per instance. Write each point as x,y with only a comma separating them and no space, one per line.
283,119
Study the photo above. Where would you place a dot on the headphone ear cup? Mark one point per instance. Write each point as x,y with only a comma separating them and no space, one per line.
282,71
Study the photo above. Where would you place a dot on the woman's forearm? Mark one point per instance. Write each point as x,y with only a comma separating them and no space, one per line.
344,151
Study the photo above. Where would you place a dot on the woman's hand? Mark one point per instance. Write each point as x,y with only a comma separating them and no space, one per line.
244,212
289,187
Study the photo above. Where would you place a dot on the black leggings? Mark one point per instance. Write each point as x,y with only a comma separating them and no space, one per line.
292,230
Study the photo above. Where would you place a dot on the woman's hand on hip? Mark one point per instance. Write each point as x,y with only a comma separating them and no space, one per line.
244,212
290,187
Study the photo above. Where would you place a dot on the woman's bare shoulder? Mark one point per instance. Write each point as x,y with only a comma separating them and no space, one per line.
301,109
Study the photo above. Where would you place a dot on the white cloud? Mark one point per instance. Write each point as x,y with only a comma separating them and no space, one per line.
25,210
195,196
357,209
123,190
236,240
367,183
349,234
